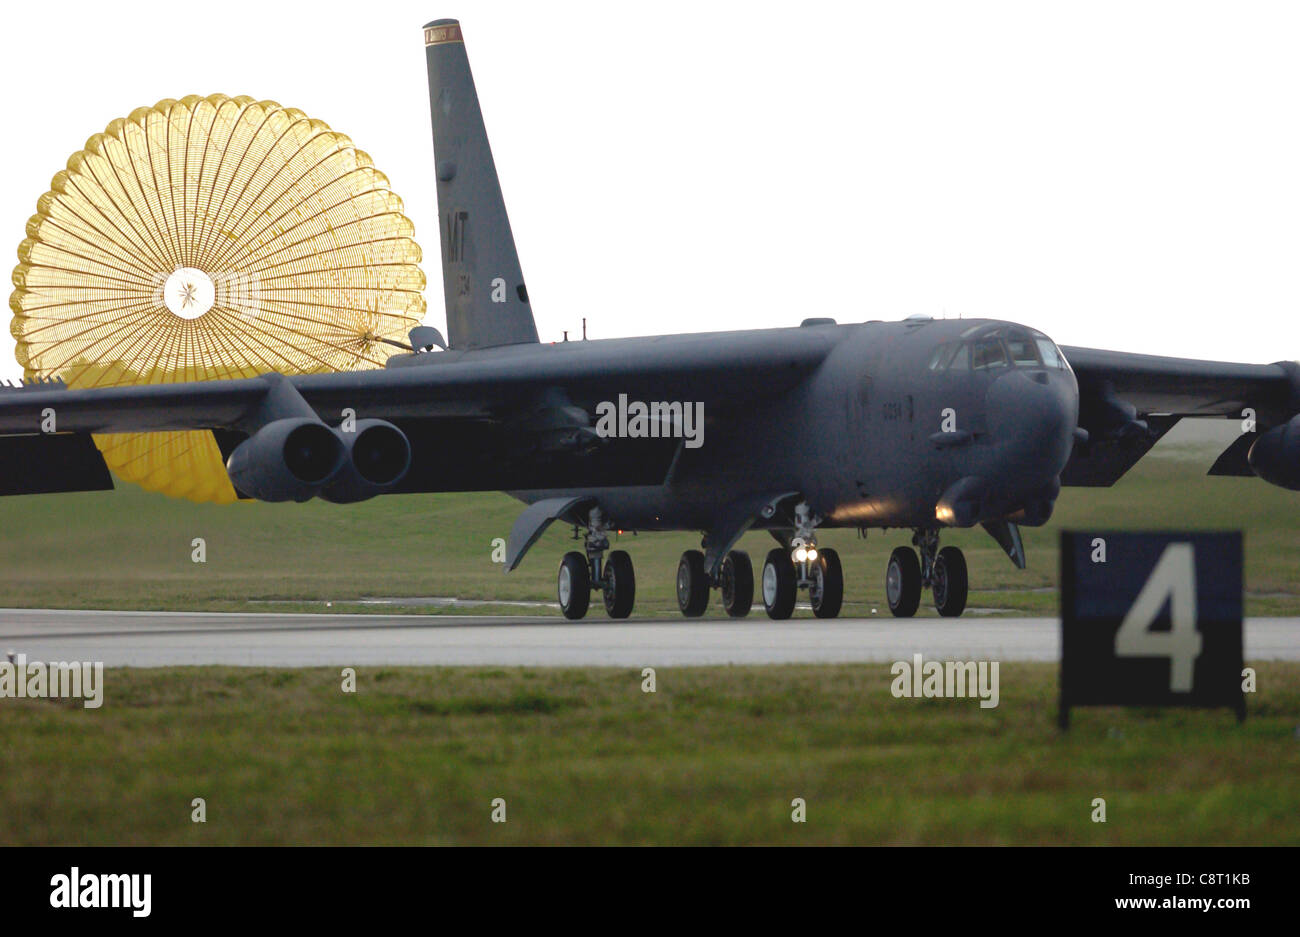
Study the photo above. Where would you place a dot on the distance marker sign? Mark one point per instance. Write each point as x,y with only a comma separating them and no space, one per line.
1151,619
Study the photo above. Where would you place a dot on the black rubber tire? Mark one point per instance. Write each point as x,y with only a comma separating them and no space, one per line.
950,582
828,603
692,584
779,585
737,584
904,564
577,596
619,587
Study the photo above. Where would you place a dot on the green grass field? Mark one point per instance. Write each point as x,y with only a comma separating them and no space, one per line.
132,549
715,755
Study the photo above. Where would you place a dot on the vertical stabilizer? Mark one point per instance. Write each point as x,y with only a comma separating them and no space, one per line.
487,303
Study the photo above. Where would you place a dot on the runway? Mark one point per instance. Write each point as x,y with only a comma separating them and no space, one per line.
156,639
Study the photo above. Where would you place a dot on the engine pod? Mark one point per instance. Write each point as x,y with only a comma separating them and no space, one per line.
378,457
287,460
1275,455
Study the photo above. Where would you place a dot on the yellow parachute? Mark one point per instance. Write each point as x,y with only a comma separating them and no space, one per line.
211,238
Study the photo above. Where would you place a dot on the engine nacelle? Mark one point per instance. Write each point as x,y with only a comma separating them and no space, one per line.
1275,456
378,456
286,460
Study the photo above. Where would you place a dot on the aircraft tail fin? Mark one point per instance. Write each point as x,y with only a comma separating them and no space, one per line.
487,302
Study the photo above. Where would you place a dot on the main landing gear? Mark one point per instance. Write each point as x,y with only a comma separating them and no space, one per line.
582,573
944,571
785,571
801,565
735,583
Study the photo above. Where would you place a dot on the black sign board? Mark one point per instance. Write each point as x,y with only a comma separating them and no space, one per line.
1151,619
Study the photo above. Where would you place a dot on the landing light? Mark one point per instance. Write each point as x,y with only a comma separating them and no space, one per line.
943,513
800,555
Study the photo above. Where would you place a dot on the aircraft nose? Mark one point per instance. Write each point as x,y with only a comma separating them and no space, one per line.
1032,414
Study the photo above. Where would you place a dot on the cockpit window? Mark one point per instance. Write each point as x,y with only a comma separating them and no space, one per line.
942,356
988,353
999,348
1047,348
1022,349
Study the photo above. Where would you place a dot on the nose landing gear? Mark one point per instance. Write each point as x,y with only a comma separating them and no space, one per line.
943,571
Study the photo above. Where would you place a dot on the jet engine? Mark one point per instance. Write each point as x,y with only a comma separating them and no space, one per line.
378,456
1275,455
287,460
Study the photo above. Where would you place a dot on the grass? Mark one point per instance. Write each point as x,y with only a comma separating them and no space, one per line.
716,755
132,549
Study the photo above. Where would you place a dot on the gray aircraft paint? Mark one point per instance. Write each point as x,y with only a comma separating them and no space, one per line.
845,417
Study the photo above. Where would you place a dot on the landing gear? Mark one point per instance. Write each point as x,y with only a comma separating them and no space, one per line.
779,585
619,585
580,573
826,586
903,582
944,571
573,585
802,566
948,582
736,583
692,584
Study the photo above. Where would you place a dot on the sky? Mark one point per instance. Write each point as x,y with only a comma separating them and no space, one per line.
1119,175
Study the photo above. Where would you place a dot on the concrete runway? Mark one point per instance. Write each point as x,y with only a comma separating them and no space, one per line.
154,639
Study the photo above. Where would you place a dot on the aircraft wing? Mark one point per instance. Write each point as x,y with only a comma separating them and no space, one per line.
498,411
1127,402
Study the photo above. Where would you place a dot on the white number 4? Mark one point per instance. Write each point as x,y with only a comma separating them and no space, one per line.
1174,578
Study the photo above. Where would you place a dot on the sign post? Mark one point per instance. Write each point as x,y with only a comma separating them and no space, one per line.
1151,619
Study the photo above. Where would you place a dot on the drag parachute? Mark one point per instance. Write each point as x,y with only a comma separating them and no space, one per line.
211,238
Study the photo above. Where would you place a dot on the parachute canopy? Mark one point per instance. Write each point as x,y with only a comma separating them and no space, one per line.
210,238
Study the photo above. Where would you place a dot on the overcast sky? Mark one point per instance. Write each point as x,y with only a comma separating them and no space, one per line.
1120,175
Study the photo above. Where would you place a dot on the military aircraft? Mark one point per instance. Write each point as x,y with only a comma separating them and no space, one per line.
921,424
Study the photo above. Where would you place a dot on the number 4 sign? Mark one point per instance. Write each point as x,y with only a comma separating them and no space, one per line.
1172,583
1151,619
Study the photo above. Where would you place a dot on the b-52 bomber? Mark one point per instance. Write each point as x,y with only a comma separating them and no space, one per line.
921,424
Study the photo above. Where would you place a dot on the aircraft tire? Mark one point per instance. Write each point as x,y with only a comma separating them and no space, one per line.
692,584
737,584
619,586
950,582
903,582
779,585
827,595
573,585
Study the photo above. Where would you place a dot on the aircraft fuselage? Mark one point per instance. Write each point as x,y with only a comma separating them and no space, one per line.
876,436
